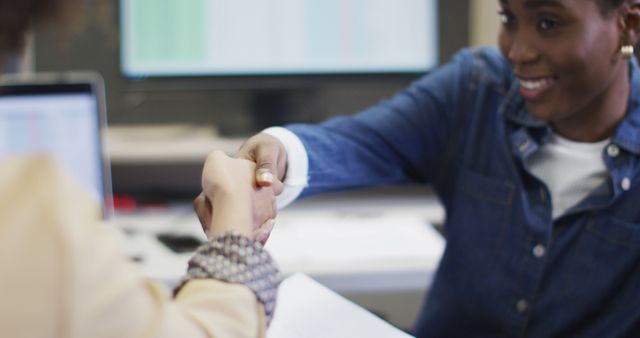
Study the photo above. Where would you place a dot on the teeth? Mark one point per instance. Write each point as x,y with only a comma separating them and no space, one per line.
532,85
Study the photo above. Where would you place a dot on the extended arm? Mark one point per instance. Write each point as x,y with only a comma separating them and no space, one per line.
64,274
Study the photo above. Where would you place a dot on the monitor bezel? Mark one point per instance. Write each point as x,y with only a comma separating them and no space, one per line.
70,82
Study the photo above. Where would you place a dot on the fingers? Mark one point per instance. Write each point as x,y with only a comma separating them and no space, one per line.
265,178
203,209
266,157
262,233
277,187
214,171
270,158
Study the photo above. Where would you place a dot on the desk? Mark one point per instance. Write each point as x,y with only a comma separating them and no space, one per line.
373,246
376,246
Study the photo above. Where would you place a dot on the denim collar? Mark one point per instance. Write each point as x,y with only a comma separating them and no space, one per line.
627,135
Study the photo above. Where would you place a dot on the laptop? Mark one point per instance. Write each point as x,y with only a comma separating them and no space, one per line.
62,115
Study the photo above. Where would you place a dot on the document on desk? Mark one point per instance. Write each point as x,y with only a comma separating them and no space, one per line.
306,309
317,243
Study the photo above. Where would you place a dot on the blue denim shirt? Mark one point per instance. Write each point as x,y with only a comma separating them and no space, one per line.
508,270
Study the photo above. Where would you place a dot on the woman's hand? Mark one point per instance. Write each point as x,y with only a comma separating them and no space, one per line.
232,200
270,157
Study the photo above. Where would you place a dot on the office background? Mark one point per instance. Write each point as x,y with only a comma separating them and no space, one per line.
227,105
233,107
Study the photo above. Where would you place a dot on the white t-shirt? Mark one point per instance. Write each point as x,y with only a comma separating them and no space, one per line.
571,170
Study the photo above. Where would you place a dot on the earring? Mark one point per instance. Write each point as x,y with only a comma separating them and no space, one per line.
627,51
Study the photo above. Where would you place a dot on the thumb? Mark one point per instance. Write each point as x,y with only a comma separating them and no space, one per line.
264,175
270,158
266,158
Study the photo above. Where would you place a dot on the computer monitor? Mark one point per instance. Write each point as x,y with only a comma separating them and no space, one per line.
169,38
62,115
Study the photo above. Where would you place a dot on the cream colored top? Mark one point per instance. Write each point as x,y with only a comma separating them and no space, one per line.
62,273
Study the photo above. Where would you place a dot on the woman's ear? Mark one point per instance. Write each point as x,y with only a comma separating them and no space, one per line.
631,23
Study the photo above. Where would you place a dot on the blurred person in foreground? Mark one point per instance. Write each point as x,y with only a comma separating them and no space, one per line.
63,273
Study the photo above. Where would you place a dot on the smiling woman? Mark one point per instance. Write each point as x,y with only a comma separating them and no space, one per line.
566,55
534,151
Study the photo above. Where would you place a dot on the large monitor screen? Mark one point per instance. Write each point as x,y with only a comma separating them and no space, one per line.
277,37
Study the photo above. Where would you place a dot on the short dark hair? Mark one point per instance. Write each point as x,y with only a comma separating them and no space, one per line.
17,16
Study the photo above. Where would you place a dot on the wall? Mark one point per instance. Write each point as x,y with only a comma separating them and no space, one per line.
484,22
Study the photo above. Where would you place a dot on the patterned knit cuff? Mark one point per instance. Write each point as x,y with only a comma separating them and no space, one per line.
234,258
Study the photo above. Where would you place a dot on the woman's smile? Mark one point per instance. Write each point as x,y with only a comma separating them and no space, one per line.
532,88
566,57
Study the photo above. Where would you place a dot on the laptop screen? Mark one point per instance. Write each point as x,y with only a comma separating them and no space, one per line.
64,120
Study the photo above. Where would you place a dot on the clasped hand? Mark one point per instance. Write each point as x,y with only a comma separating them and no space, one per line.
231,200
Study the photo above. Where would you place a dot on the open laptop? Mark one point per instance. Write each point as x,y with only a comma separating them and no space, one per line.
62,115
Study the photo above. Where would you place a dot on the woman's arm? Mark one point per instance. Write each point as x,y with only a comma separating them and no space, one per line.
65,274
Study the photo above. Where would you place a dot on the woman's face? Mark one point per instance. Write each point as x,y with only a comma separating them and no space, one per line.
565,53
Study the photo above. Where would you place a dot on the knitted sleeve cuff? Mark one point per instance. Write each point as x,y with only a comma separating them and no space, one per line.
234,258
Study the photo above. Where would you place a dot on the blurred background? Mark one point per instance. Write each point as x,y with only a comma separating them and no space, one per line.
147,97
227,104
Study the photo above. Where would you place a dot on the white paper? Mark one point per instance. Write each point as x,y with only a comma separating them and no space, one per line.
316,243
306,309
358,238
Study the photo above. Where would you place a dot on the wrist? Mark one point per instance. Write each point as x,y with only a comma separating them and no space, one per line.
230,213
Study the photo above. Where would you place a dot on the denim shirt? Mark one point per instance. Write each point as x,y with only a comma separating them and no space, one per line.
509,269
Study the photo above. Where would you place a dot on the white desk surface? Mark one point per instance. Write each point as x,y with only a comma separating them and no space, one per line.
362,241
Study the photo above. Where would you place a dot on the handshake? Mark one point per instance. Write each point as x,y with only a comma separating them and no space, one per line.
239,194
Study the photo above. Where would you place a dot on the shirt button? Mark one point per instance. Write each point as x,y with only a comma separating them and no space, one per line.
522,305
539,251
626,184
524,146
613,150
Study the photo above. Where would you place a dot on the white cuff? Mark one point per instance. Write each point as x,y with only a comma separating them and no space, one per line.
296,178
